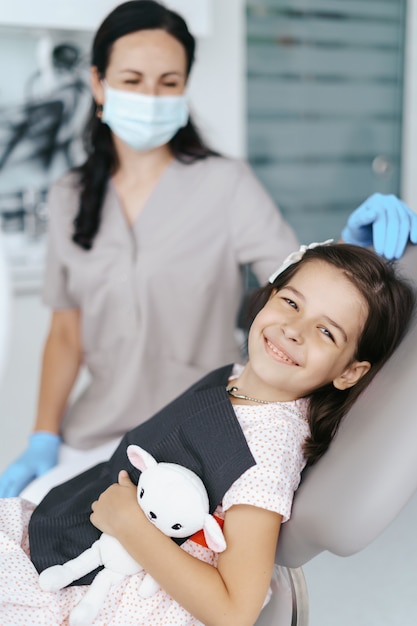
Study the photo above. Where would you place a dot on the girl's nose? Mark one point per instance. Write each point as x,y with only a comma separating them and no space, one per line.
293,331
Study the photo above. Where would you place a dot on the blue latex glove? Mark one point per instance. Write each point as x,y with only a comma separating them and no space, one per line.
383,221
40,456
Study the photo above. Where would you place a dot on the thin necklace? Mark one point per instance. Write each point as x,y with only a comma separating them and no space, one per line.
232,391
291,409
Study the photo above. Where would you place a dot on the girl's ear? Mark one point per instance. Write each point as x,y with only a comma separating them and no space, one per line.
96,85
352,375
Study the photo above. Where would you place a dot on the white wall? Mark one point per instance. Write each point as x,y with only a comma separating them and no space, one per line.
82,15
218,84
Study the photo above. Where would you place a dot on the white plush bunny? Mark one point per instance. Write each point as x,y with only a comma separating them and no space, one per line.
174,499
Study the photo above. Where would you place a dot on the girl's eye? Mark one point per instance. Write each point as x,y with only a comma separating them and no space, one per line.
170,84
326,333
291,303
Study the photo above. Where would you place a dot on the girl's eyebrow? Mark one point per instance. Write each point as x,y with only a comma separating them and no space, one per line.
326,317
335,325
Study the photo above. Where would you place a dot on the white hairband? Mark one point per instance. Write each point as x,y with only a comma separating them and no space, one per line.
296,256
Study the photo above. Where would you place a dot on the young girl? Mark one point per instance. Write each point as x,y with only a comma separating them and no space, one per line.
326,324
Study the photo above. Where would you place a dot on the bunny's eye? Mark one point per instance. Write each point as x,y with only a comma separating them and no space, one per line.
142,491
176,527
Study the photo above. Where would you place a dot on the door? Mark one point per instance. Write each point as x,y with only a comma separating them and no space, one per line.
324,94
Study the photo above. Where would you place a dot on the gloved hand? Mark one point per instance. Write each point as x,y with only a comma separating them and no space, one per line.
40,456
383,221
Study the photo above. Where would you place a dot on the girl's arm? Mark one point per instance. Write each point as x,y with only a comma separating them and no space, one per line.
231,594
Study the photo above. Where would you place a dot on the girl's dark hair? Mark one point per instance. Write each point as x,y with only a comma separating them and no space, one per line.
186,146
390,301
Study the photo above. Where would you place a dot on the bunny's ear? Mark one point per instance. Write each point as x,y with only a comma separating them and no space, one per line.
139,458
213,534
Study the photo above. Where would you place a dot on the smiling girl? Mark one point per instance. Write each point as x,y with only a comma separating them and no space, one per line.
325,325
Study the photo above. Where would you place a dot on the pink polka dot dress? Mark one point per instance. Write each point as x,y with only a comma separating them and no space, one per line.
275,433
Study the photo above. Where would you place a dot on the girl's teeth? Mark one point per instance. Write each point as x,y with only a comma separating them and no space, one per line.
279,353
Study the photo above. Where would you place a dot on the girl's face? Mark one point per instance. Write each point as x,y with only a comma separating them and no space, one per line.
306,336
149,62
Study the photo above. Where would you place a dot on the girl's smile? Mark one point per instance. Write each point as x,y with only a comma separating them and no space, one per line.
278,353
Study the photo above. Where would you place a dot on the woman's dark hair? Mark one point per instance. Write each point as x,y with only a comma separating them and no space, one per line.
390,301
186,146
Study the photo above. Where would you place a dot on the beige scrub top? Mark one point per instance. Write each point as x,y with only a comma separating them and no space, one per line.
159,299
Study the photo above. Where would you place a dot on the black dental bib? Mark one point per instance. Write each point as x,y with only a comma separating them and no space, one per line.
198,430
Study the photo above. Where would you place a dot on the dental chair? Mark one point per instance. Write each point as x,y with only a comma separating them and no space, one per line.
359,486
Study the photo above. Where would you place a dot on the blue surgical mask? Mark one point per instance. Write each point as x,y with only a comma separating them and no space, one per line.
142,121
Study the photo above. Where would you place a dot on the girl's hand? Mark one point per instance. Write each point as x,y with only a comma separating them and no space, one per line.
116,506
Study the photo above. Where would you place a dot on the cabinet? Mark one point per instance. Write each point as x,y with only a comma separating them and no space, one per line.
19,386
